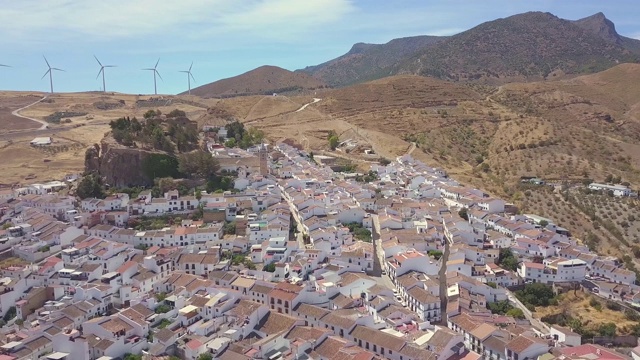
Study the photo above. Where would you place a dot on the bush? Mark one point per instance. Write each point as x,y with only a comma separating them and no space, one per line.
536,294
198,164
91,186
270,267
612,305
162,308
160,166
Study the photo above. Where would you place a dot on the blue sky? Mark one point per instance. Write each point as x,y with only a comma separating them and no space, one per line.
228,37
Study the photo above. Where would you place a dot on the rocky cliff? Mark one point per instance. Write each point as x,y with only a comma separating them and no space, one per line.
120,166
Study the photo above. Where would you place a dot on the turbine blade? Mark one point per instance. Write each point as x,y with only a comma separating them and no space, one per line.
57,69
45,60
45,74
3,65
183,71
157,62
149,69
99,72
190,74
110,66
159,75
190,66
95,57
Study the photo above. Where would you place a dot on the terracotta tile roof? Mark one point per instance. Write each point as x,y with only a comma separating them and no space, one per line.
388,341
329,348
274,323
343,318
312,311
483,331
306,333
519,344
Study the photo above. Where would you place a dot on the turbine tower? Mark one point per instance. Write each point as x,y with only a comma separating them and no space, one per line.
104,87
189,76
155,72
50,72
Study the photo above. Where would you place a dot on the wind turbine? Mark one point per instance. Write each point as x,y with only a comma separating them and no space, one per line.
104,87
50,72
189,76
155,72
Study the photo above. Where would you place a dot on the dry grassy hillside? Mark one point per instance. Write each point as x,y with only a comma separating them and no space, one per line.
264,80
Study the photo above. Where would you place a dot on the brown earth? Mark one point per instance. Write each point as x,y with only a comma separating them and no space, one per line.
264,80
13,101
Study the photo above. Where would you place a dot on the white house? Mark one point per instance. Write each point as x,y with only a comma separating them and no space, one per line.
618,190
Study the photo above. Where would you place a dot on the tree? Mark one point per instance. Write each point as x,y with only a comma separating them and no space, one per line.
543,223
231,143
270,267
90,186
507,260
176,113
436,254
608,329
464,214
150,114
10,314
205,356
6,225
229,228
608,178
536,294
198,164
160,166
491,284
516,313
162,308
333,142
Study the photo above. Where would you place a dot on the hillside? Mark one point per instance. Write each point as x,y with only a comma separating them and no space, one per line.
528,46
525,47
264,80
368,61
599,24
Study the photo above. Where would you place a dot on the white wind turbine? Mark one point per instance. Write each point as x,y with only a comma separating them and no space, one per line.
102,67
155,72
189,76
50,72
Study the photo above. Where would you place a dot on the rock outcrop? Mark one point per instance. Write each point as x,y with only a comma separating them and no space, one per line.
120,166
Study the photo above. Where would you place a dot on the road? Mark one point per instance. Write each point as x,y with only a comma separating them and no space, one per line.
42,123
378,258
534,322
315,100
411,148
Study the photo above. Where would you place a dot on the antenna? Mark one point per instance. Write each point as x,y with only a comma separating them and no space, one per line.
155,72
102,67
50,72
189,76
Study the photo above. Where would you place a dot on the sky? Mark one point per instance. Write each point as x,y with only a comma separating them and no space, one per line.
224,38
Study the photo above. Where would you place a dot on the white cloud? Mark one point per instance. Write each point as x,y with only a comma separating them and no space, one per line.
77,20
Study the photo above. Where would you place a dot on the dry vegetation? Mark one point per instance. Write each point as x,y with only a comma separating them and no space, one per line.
590,310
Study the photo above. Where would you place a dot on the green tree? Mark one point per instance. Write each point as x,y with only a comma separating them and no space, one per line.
543,223
162,308
491,284
333,142
516,313
231,143
507,259
463,213
205,356
6,225
229,228
270,267
607,329
160,166
10,314
90,186
536,294
198,164
176,113
436,254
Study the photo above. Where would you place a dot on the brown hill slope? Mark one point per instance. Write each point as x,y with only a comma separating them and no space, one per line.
368,61
527,46
264,80
599,24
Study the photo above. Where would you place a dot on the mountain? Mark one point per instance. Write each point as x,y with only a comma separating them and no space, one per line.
527,46
264,80
599,24
524,47
368,61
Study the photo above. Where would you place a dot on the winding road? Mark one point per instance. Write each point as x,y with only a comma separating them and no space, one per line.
315,100
42,123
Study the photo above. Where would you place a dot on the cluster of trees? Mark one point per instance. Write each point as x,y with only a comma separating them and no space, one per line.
333,139
127,131
536,294
505,308
91,186
198,164
238,136
270,267
239,259
359,232
507,260
368,177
